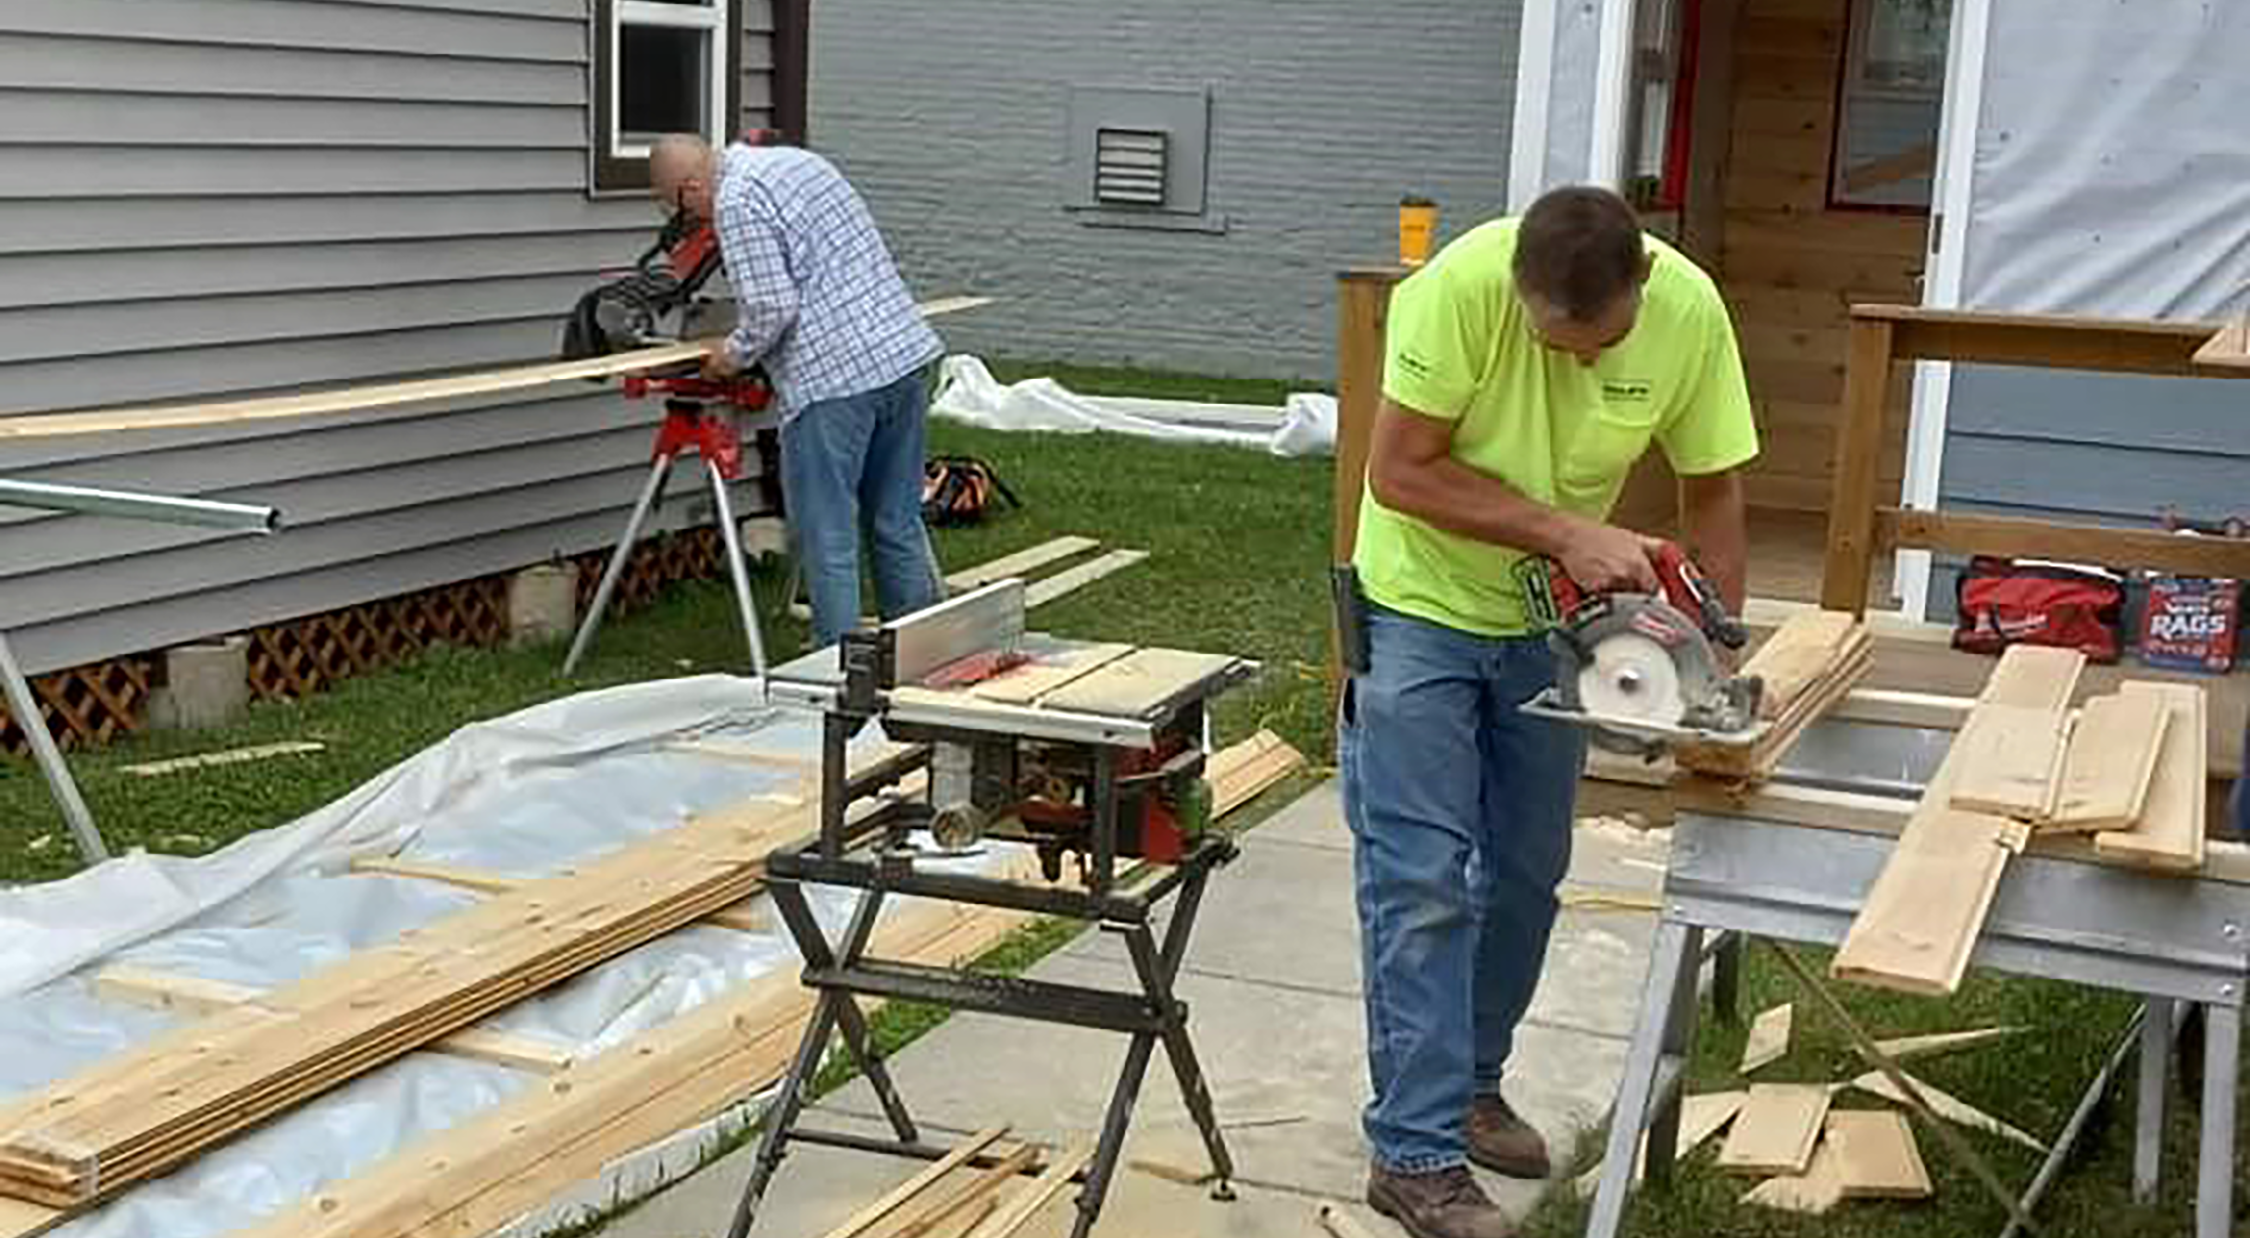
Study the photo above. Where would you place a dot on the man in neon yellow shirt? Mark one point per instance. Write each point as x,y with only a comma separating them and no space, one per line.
1531,363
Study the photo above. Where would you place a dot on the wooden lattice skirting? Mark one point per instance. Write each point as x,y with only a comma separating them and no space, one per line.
296,657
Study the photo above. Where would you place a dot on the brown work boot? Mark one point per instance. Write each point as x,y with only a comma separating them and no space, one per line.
1444,1204
1504,1143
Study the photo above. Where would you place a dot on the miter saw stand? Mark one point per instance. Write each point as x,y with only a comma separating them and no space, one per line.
1086,788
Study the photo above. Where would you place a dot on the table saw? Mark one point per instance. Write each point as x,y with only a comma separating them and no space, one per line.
1090,754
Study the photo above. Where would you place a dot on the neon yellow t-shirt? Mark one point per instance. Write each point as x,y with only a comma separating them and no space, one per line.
1461,347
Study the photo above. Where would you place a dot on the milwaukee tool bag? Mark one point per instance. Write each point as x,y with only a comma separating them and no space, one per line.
2007,602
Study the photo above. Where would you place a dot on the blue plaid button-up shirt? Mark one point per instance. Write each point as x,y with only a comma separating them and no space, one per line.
818,298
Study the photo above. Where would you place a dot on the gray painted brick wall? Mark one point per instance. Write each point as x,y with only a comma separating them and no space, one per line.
951,119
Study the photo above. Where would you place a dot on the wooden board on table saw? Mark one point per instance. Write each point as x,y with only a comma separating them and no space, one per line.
1048,673
1136,684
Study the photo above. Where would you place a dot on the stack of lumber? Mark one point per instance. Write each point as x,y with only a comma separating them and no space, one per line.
954,1199
2129,768
1848,1154
510,1159
1241,773
140,1114
1807,666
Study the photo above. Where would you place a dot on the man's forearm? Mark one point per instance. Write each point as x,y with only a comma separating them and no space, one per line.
1458,499
1712,512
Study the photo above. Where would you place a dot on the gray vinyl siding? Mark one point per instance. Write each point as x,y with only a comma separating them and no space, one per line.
2085,448
952,119
203,199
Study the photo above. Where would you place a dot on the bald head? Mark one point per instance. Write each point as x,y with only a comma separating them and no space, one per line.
683,173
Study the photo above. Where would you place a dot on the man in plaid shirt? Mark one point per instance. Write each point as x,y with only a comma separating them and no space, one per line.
821,304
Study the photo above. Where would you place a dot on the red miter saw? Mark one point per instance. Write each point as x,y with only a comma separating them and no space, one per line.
1643,671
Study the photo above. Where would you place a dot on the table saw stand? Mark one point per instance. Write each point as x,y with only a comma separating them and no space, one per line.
1122,799
1794,864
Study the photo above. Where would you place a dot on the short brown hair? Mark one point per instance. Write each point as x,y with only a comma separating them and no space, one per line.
1580,249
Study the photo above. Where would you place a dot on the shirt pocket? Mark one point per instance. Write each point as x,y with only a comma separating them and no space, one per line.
1604,449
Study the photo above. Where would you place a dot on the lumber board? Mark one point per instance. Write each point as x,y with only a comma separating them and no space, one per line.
2110,761
140,1114
868,1217
1919,924
1069,580
1757,760
1876,1156
1952,1108
1019,1211
230,756
742,917
196,995
1138,684
1800,653
1053,550
351,399
2228,348
1242,772
1823,809
1768,1041
965,1197
509,1158
1027,683
2169,833
2008,759
1776,1130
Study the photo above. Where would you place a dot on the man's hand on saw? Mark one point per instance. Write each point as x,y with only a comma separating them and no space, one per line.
720,365
1606,557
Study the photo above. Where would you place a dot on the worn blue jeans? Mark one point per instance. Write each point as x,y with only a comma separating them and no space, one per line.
849,466
1460,811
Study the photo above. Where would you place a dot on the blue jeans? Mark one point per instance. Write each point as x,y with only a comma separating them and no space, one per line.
1460,809
852,465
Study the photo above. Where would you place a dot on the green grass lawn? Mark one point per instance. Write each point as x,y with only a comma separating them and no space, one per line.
1238,542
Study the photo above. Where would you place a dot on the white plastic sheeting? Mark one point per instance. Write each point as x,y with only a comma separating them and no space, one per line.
523,795
2112,165
967,391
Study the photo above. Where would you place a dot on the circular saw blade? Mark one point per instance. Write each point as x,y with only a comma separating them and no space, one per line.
1632,676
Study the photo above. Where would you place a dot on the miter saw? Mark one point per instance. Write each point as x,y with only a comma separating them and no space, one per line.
1643,671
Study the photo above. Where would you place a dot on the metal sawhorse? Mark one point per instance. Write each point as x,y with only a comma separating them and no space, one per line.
2175,941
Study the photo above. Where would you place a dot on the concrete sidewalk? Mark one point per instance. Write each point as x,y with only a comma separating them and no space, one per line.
1272,981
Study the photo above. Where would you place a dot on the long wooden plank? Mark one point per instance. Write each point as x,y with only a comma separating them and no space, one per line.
1054,550
1952,1108
231,756
2169,833
1776,1130
142,1113
2110,762
1070,580
1025,1205
1027,683
742,917
868,1217
1966,533
196,995
508,1159
1919,925
1138,683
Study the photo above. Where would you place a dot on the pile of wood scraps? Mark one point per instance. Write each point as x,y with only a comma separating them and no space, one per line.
959,1197
2130,769
1809,664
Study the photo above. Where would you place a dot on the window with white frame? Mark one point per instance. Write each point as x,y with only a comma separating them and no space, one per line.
660,66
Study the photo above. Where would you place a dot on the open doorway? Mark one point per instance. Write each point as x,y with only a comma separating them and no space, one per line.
1790,147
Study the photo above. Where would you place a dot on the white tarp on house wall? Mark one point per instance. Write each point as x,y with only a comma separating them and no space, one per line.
2112,167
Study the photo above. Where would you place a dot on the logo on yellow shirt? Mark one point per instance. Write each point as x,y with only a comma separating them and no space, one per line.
1628,390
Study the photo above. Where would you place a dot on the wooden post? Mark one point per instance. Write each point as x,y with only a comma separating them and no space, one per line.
1363,303
1859,461
1363,298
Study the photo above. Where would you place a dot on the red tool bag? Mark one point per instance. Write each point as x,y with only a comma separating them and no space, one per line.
2007,602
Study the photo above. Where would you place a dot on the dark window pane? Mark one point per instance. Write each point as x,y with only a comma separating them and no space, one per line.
664,86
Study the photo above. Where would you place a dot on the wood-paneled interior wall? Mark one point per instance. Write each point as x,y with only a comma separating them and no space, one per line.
1789,265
